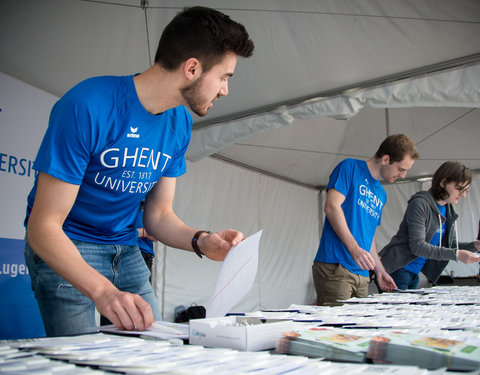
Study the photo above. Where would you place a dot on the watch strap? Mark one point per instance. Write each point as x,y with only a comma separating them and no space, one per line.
195,242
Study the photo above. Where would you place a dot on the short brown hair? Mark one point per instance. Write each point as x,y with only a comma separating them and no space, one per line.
450,171
397,146
204,33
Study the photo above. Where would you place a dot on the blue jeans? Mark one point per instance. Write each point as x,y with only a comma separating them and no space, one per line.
405,279
66,311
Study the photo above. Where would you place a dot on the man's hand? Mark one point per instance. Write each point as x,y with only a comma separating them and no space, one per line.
467,257
385,282
215,246
363,258
126,311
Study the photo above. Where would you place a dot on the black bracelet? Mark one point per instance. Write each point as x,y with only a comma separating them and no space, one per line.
195,242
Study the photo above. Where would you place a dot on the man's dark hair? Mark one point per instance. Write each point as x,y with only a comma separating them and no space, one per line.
450,171
203,33
397,146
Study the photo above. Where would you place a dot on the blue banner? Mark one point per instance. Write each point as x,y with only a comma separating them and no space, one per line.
19,314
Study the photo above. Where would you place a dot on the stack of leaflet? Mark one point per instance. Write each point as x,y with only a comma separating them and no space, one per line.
330,343
158,330
424,351
107,354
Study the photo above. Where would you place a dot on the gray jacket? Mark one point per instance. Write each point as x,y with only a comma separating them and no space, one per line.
420,222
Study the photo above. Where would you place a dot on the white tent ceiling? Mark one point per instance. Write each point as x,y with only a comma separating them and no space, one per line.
378,67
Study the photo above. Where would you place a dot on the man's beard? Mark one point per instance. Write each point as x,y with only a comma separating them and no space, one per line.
191,94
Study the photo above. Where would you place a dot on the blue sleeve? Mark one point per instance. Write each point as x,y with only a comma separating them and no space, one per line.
64,152
341,177
183,130
178,165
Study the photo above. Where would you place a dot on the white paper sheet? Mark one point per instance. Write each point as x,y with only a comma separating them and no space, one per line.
159,329
236,276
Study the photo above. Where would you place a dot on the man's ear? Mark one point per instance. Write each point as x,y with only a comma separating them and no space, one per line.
385,159
192,68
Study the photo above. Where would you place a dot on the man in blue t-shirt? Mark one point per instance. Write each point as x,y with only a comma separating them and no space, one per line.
111,143
353,208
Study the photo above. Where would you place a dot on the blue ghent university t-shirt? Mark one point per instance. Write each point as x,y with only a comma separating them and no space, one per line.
101,138
365,198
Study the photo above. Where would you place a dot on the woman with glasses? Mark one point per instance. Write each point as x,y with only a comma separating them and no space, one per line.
427,237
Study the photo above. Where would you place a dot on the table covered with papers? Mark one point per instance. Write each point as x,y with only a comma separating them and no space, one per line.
431,331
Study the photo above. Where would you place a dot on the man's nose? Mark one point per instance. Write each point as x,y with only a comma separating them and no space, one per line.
224,89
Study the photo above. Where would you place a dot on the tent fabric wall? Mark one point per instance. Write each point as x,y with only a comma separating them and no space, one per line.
215,195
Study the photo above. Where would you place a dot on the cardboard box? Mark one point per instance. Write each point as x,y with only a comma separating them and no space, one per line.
238,332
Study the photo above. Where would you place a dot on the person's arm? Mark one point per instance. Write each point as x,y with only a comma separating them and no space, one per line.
53,201
418,210
473,246
385,281
336,217
161,222
415,218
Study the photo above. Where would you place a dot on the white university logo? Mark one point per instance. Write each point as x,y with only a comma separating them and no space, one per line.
133,133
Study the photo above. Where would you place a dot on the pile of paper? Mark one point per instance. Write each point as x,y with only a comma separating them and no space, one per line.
330,343
133,355
456,307
159,330
457,351
104,354
424,351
